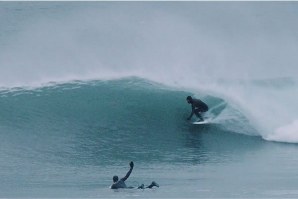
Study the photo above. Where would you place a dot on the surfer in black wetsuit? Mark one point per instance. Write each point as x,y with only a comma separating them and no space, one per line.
121,183
197,107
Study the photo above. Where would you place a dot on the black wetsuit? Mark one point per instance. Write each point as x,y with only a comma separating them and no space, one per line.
197,107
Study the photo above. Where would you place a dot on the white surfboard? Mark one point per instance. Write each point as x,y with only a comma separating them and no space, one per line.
208,118
201,122
206,121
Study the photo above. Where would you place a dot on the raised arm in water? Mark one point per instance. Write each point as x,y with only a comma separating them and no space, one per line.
129,172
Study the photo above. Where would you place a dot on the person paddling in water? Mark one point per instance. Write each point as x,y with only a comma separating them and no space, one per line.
121,183
197,107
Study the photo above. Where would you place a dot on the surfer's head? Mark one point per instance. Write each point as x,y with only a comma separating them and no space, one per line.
115,178
189,99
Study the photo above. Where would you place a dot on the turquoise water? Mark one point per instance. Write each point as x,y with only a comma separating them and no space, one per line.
69,140
87,87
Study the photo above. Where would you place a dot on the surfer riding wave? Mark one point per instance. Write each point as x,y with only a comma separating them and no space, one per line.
197,107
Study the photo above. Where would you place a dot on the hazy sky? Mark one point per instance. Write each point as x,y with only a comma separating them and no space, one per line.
45,41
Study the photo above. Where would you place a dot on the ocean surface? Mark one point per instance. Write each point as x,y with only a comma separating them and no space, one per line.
87,87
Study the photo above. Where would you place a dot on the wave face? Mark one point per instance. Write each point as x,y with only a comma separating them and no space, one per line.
242,53
108,120
103,122
117,109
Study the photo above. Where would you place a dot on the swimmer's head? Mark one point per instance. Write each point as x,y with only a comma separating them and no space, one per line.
115,178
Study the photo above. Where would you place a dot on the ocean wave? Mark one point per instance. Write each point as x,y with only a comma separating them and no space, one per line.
240,107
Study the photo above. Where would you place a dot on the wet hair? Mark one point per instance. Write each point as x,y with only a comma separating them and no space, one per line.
115,178
189,98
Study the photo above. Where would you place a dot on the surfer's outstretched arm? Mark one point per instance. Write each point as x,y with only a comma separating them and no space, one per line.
190,116
192,112
129,172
